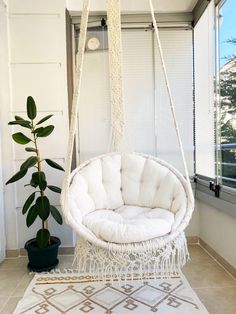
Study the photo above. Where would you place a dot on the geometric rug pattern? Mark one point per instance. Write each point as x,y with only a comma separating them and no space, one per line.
72,293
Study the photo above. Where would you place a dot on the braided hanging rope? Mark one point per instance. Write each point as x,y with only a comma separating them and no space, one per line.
171,101
115,67
75,103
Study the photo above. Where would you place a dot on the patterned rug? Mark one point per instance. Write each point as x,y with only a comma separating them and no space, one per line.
73,293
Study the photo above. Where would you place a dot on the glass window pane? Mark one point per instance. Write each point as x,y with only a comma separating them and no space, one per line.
227,90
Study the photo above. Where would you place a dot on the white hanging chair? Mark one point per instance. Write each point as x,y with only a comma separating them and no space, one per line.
128,209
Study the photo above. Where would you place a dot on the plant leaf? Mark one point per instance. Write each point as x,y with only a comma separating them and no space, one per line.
42,237
44,119
43,207
20,174
37,130
23,123
19,118
38,179
43,132
53,164
56,214
31,216
30,149
42,181
28,202
31,108
30,162
34,182
20,138
55,189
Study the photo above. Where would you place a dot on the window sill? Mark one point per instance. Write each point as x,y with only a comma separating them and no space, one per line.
226,202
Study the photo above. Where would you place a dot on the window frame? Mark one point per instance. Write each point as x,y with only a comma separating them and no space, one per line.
226,201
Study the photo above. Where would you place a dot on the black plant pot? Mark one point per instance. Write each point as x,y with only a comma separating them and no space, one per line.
42,259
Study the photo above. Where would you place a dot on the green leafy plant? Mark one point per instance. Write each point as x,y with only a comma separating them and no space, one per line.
37,204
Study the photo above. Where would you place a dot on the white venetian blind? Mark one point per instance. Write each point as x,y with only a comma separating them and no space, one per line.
149,126
94,111
204,93
138,87
94,108
178,54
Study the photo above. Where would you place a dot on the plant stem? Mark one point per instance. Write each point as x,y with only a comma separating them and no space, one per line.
39,167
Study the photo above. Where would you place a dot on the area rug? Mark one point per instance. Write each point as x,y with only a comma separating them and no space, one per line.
73,293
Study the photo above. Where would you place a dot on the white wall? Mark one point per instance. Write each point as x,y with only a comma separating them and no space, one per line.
38,68
218,230
4,100
193,229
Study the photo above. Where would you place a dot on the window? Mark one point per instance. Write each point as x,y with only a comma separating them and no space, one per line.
226,91
215,105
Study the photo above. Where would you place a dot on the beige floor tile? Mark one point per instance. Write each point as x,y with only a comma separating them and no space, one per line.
203,272
65,262
12,263
9,279
23,284
198,255
218,300
12,274
215,287
208,275
10,305
7,288
3,301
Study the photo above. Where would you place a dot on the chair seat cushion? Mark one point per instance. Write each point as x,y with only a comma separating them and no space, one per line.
129,224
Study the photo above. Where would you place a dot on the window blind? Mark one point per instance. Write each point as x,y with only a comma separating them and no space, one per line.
178,54
204,94
149,125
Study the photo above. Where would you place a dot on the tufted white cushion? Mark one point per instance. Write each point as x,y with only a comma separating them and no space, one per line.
129,224
125,183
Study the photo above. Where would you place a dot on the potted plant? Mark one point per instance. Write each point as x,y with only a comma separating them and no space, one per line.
42,250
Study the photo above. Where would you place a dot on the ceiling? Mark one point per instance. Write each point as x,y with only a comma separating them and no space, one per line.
132,6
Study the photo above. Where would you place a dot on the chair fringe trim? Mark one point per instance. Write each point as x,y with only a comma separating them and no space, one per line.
109,264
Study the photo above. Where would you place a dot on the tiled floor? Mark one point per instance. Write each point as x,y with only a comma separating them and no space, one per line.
215,287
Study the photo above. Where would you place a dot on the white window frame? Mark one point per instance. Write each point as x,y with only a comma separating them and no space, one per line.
226,201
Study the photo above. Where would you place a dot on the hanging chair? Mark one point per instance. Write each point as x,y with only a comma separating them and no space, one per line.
129,210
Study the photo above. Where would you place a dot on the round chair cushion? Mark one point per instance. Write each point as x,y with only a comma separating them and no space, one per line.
129,224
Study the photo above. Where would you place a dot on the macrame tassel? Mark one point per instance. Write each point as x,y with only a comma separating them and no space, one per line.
109,265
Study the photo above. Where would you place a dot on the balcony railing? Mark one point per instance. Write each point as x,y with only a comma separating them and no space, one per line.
228,164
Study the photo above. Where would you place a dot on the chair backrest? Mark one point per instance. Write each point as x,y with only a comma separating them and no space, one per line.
113,180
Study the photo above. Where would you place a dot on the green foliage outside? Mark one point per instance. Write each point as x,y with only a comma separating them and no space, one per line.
228,119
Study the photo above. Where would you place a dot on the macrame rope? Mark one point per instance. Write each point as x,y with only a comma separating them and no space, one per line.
115,67
75,102
172,106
